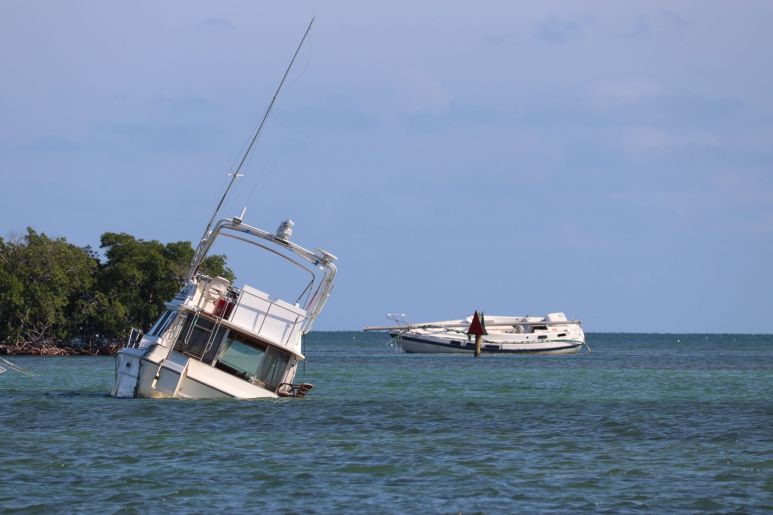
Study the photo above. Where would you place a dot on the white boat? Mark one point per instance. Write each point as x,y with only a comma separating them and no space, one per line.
551,334
218,341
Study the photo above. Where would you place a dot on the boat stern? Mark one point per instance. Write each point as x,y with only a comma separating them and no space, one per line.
127,373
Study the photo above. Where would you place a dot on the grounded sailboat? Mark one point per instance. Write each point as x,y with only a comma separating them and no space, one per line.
216,340
551,334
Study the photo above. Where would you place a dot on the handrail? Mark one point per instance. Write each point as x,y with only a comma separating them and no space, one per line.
294,324
264,247
271,304
293,390
319,258
454,324
135,337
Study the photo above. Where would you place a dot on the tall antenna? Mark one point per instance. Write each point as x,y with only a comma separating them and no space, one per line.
235,174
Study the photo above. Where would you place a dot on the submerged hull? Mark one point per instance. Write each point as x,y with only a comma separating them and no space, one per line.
414,343
178,377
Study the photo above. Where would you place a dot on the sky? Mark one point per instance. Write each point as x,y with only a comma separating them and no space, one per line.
611,160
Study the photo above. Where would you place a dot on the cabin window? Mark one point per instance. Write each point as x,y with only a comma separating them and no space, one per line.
273,367
242,358
258,363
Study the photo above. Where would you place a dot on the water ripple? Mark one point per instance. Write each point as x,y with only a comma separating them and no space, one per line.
643,424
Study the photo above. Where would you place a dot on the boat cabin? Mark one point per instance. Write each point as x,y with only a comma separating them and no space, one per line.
233,351
241,331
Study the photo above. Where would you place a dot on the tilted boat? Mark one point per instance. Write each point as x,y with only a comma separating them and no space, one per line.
218,341
551,334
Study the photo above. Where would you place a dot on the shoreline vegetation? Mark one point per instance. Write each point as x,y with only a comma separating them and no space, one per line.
58,299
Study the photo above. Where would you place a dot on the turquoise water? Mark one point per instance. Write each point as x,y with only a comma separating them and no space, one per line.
644,423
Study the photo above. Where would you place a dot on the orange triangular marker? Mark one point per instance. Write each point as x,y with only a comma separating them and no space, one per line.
476,327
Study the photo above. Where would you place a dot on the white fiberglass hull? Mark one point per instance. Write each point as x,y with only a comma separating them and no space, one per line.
423,343
178,377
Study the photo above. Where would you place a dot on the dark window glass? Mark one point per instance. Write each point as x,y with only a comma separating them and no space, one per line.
196,339
260,364
273,367
243,358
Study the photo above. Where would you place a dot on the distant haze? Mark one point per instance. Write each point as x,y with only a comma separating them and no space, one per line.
612,160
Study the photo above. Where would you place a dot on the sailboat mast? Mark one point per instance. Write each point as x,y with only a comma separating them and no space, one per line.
255,137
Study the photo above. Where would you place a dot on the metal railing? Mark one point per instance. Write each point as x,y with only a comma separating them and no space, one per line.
299,319
135,337
233,301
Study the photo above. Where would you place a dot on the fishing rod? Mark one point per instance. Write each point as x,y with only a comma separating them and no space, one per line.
235,174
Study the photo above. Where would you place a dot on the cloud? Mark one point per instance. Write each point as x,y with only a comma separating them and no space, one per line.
423,93
627,91
51,144
728,201
215,24
648,138
178,106
647,25
349,115
557,30
554,30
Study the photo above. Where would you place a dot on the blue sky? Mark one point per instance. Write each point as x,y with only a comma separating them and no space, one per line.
613,160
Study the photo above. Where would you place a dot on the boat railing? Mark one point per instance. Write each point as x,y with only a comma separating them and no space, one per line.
255,312
272,319
135,337
293,390
463,324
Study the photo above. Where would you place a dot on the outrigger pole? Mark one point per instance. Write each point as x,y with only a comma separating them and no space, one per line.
255,137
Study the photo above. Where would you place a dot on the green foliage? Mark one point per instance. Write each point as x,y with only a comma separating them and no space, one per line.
138,275
54,292
215,266
41,281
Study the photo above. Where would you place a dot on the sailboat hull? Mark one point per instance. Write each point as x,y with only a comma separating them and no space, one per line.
421,344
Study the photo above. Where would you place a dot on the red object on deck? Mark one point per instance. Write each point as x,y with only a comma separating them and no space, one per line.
476,327
223,307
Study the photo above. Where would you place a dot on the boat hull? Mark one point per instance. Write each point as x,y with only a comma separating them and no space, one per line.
423,344
178,377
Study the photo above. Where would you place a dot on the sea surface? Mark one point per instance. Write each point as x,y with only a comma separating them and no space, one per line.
645,423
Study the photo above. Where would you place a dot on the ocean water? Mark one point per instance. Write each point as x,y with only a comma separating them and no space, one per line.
643,423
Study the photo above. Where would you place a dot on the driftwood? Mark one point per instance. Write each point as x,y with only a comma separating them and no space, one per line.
53,348
37,341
